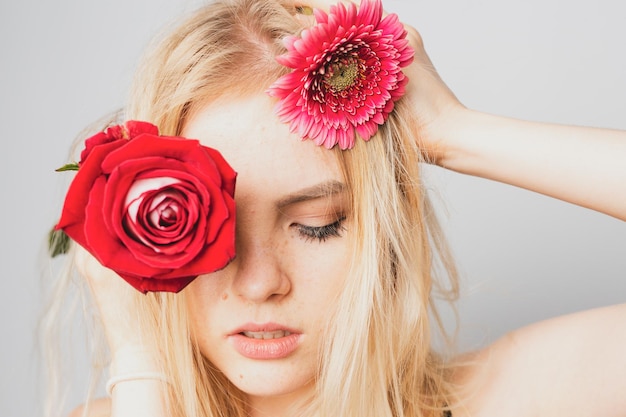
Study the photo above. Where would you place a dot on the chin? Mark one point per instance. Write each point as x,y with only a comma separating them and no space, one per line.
272,379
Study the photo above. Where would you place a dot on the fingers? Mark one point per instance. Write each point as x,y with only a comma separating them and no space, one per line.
89,267
414,36
116,300
306,6
103,282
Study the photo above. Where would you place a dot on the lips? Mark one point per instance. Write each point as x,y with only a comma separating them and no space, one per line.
263,342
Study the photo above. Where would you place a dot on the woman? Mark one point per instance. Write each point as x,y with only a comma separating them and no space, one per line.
324,311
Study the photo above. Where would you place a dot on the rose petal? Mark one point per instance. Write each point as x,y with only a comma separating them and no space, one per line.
125,188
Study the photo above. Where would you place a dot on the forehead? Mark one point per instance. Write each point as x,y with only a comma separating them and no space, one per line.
265,154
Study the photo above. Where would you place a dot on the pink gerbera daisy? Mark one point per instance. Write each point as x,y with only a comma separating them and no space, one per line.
346,74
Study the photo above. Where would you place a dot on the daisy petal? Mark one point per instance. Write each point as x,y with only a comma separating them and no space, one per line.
346,74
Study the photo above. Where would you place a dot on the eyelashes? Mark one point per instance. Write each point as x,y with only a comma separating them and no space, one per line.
321,233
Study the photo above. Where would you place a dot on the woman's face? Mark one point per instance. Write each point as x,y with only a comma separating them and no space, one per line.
261,318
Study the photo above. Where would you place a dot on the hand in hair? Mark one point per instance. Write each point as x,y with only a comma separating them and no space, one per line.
434,104
114,299
135,391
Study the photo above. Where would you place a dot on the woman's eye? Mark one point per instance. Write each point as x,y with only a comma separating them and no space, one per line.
321,233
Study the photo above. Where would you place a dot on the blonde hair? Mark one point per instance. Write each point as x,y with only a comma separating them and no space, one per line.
377,359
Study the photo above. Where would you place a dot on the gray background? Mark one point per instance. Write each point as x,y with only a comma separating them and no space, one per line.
523,257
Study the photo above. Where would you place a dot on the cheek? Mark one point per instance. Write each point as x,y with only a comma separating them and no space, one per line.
319,270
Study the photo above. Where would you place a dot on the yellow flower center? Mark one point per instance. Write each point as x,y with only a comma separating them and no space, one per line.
342,74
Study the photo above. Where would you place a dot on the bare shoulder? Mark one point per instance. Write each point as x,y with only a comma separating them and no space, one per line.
100,407
572,365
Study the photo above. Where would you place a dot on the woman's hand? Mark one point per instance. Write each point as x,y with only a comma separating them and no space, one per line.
580,165
135,391
114,299
584,166
434,104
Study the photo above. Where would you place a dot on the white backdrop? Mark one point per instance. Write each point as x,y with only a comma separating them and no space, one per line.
523,257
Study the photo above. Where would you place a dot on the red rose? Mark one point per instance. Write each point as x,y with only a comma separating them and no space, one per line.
130,129
157,210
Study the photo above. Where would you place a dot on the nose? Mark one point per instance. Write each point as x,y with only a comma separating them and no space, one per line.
259,273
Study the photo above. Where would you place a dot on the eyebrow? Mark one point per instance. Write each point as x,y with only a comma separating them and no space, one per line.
323,189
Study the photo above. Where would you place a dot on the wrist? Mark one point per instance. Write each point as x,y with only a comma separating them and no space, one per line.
135,367
132,359
444,139
134,378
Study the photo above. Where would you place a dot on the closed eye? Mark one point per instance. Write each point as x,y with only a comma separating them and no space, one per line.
321,233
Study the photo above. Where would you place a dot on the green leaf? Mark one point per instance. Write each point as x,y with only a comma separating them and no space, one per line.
68,167
58,242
